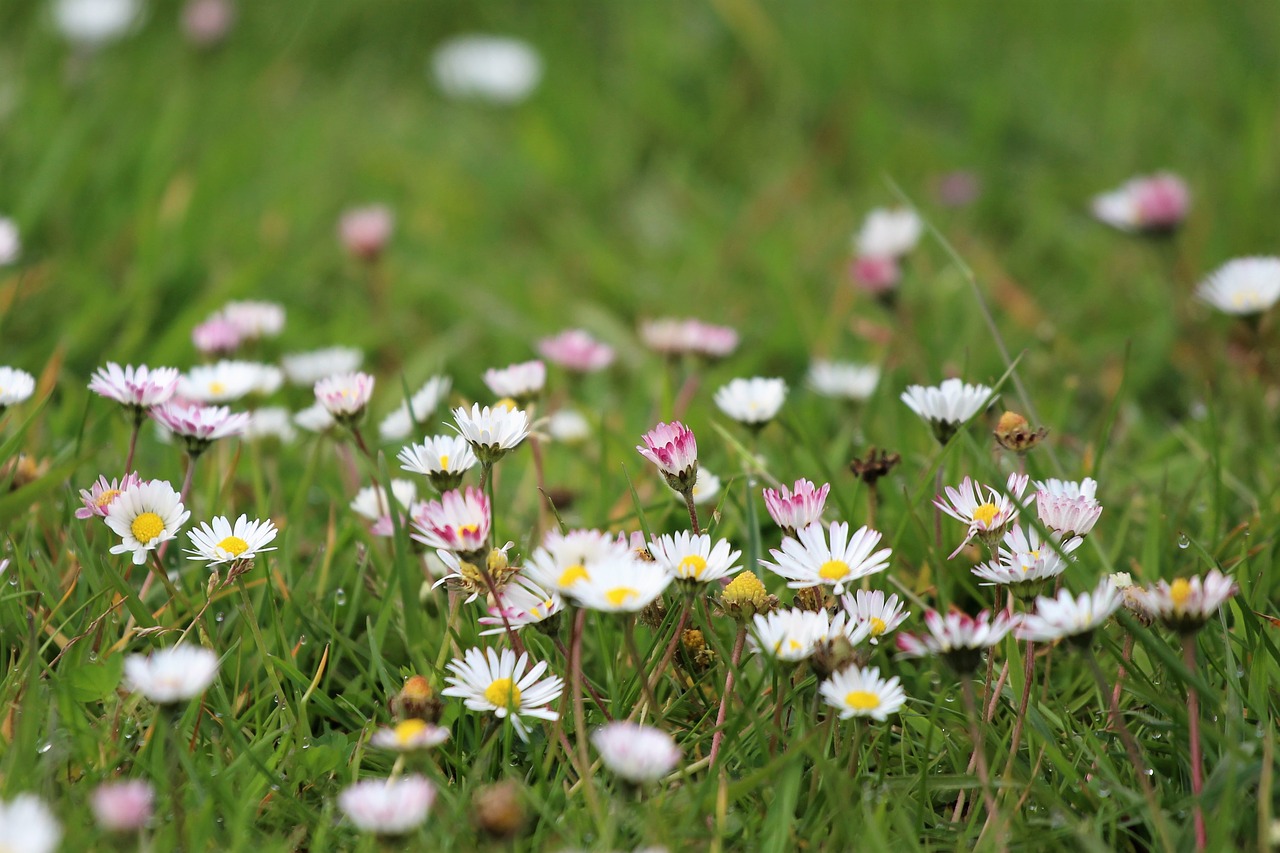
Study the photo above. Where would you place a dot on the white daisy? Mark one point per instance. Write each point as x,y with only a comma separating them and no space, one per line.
10,242
145,515
844,380
808,560
409,735
636,752
270,422
888,233
1025,558
254,319
521,382
621,587
863,693
987,516
138,387
458,522
388,806
491,431
498,69
27,825
308,368
1155,203
789,635
345,395
315,418
219,541
489,680
171,675
399,424
1071,617
568,559
1086,488
371,501
1186,604
222,382
95,22
15,386
870,607
694,558
522,603
1244,287
947,406
568,426
441,458
754,401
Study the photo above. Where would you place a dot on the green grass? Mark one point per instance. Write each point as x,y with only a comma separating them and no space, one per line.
706,159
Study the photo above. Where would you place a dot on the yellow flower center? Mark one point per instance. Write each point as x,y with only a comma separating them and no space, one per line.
234,545
410,729
469,529
217,388
986,514
1180,591
862,700
107,497
619,595
444,461
506,403
834,570
573,574
146,527
503,693
877,626
692,566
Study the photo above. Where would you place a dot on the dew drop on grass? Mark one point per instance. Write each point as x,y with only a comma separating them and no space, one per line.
302,640
45,747
93,656
340,597
1183,541
219,616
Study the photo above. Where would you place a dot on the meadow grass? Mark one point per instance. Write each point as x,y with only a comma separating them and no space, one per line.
678,159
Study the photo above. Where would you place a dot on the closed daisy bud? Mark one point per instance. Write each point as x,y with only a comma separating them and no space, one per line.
673,448
796,509
345,395
417,701
1014,433
123,806
745,596
365,231
497,810
696,649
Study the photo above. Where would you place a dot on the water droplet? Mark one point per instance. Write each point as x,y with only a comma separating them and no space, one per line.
45,747
219,616
1183,541
93,656
340,597
302,640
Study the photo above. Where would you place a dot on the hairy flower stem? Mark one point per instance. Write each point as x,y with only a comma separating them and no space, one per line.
979,745
1193,723
937,510
1126,655
693,511
1028,676
133,440
718,738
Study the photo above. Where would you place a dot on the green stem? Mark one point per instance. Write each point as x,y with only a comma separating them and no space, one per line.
251,617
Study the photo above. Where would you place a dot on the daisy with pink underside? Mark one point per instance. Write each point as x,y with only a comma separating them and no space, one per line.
987,516
674,449
136,388
958,638
1186,604
199,426
365,231
458,522
1151,204
809,559
797,508
1071,617
1068,508
388,806
1025,558
97,498
522,602
576,350
123,806
879,614
636,752
345,395
521,382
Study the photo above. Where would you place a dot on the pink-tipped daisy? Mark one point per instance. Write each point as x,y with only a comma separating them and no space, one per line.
345,395
797,508
136,388
255,319
1152,204
216,336
458,522
1071,617
1186,604
576,350
520,603
957,638
365,231
98,498
673,448
636,752
388,806
199,426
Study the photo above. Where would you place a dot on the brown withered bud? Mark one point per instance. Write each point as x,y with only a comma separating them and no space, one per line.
873,466
831,656
416,700
1013,433
498,811
653,613
24,470
812,598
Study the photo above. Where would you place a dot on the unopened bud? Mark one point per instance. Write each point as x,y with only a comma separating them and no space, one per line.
417,701
497,810
1014,433
745,596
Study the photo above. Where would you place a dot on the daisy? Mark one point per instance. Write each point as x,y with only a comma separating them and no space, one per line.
567,559
345,395
1071,617
497,69
145,515
1064,513
270,422
947,406
171,675
621,587
371,501
673,448
521,382
442,458
870,607
491,432
409,736
10,242
458,522
754,401
308,368
399,423
207,22
798,508
15,386
863,693
521,603
315,418
568,426
711,341
1186,604
789,635
807,560
694,558
221,382
844,380
388,806
489,680
137,388
1245,287
219,541
98,498
27,825
745,596
365,231
270,378
636,752
876,274
123,806
958,638
673,337
888,233
255,319
987,516
576,350
199,426
216,336
93,23
705,487
1153,204
1024,557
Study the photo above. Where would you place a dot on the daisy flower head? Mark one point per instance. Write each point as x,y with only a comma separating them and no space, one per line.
493,431
365,231
345,395
97,499
10,242
15,386
673,448
576,350
371,501
222,382
710,341
745,596
957,638
523,603
171,675
308,368
843,380
270,422
797,508
315,418
207,22
255,319
1245,287
216,336
694,558
1187,603
219,541
143,516
388,806
409,735
879,614
1070,510
947,406
1149,204
199,426
789,635
636,752
568,426
986,516
566,560
753,402
1025,558
520,382
93,23
123,806
1071,617
490,680
136,388
27,825
623,586
399,423
809,559
860,692
497,69
877,275
443,459
888,233
674,337
458,522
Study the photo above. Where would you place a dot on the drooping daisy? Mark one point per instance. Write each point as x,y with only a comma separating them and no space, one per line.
458,522
567,559
808,560
10,242
621,587
947,406
15,386
789,635
98,498
497,69
1067,513
888,233
576,350
863,693
442,458
1024,557
1187,603
492,432
1151,204
345,395
308,368
220,541
27,825
409,735
636,752
94,23
694,558
521,382
673,448
1071,617
172,675
489,680
270,422
705,487
522,603
958,638
568,426
365,231
424,401
388,806
797,508
315,418
987,516
753,401
136,388
844,380
199,426
222,382
255,319
145,515
1244,287
123,806
870,607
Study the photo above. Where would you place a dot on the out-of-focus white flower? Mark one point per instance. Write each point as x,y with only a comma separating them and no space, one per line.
409,735
28,826
568,426
636,752
843,380
15,386
888,233
486,68
365,231
520,382
207,22
308,368
754,401
10,241
388,806
270,422
424,401
1153,204
1244,287
95,22
255,319
171,675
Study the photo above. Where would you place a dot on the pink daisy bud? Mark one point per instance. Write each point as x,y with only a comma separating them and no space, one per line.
796,510
576,350
216,336
207,22
875,274
365,231
123,806
673,448
345,395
